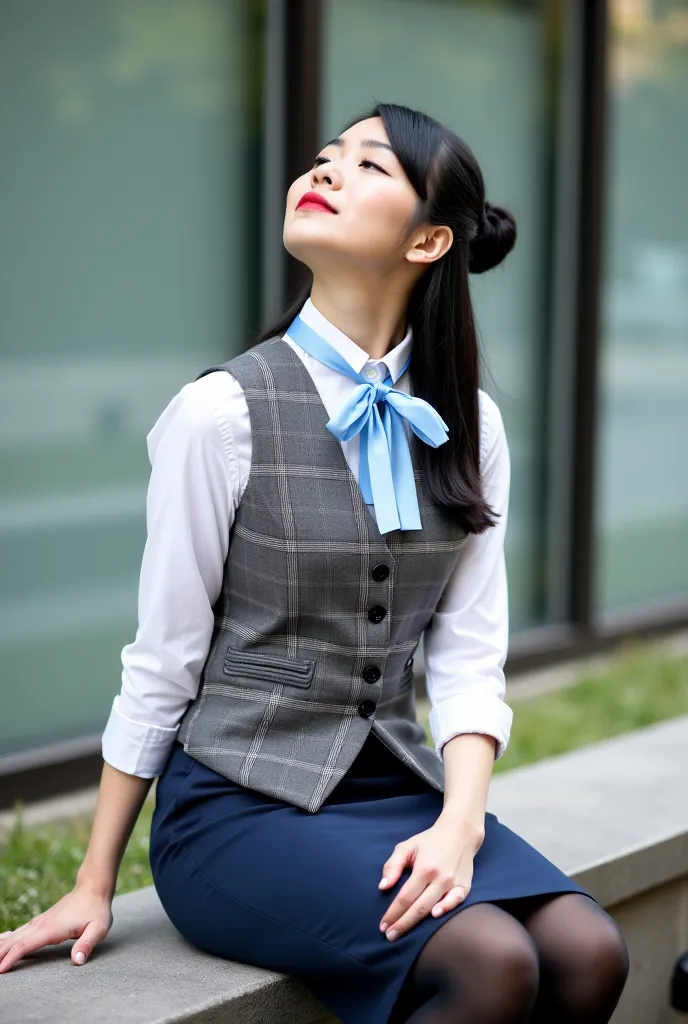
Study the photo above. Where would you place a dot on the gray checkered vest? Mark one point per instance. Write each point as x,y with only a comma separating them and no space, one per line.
319,614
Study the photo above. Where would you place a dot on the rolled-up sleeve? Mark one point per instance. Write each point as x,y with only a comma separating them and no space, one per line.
465,644
192,496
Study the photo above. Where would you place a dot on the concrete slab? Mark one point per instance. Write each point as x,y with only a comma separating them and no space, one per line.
606,804
144,972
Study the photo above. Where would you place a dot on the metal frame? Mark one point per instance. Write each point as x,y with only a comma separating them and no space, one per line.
567,215
292,131
302,110
274,175
292,89
591,170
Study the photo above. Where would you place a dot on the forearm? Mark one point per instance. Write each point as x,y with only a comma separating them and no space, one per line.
120,798
468,763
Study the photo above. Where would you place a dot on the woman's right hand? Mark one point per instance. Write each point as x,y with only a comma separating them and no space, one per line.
85,913
81,914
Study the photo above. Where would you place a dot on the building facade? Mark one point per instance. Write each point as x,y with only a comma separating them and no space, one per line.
147,148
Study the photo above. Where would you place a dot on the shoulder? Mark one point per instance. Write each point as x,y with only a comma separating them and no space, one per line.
248,365
200,415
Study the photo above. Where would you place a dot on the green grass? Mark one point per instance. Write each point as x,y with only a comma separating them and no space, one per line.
38,865
639,687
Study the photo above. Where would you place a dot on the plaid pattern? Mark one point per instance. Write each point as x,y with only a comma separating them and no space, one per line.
279,697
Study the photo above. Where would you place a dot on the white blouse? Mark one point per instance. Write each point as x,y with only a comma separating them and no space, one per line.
200,454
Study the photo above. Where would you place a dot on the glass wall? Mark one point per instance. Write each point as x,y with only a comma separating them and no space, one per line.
642,483
479,68
129,141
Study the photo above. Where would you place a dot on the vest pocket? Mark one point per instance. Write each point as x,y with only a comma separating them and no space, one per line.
271,668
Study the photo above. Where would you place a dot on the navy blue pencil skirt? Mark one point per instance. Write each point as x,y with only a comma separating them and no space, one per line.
253,879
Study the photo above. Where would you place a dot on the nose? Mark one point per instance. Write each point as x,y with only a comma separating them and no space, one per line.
326,174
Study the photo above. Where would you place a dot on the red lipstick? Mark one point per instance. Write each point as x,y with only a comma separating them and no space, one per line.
314,201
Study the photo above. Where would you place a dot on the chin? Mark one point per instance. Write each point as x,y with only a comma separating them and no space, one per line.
309,246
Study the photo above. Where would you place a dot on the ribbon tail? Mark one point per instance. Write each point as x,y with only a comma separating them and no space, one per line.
380,475
364,468
402,471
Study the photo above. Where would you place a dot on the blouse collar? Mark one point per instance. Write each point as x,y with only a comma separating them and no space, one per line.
356,356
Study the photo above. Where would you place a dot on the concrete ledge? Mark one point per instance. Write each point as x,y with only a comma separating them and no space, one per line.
144,972
613,815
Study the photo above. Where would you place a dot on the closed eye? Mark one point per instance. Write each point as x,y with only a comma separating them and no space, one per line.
364,163
369,163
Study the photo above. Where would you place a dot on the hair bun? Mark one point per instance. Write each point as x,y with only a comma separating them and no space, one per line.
495,239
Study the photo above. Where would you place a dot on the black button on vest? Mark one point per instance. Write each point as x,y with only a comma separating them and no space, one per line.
380,572
377,613
371,673
366,708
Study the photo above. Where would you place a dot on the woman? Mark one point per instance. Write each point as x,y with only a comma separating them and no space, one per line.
313,509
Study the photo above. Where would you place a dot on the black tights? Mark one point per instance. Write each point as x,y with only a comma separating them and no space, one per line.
553,959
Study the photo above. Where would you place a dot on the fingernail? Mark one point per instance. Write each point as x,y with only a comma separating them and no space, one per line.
383,883
383,926
80,957
392,935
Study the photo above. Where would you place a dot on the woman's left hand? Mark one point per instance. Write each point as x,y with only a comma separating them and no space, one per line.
441,876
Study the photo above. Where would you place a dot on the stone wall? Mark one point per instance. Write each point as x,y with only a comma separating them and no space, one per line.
614,816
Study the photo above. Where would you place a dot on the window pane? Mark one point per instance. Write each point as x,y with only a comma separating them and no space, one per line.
480,69
642,483
125,181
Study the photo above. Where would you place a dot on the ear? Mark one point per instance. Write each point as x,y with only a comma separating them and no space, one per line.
431,244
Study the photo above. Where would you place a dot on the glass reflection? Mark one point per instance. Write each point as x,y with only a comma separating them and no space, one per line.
126,128
642,485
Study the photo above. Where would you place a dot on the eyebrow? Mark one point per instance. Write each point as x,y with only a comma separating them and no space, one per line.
366,143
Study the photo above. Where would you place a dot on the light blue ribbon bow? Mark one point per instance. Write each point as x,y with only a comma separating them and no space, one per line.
386,470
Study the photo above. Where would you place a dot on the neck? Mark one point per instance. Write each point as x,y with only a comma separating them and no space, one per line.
374,317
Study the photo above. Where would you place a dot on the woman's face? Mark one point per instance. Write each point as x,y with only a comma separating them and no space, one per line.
371,201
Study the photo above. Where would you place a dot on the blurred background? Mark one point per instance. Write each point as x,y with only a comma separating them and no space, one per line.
147,146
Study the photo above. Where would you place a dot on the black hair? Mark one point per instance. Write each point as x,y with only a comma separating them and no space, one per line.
446,361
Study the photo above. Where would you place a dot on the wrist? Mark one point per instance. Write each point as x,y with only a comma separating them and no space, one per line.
467,820
94,882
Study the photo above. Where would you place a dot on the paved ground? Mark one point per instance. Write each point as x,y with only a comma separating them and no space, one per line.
522,687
